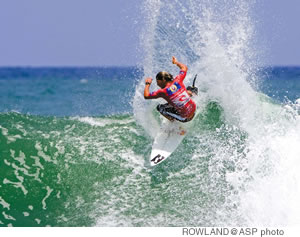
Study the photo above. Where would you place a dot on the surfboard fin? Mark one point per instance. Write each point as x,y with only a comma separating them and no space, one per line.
194,80
193,89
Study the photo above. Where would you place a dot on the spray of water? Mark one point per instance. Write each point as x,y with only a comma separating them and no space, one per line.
259,160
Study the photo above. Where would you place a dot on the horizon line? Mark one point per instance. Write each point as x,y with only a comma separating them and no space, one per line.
67,66
113,66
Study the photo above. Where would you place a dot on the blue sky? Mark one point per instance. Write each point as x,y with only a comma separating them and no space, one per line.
105,33
279,30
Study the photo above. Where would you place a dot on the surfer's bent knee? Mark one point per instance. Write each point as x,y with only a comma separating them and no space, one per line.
189,118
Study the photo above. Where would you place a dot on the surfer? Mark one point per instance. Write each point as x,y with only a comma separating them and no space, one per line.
180,106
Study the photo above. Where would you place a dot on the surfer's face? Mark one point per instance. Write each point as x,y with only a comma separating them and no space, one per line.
161,83
162,79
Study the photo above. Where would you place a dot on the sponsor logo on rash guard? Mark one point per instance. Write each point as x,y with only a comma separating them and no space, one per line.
178,95
181,99
173,89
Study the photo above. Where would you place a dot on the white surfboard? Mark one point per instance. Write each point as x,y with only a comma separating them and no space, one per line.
166,141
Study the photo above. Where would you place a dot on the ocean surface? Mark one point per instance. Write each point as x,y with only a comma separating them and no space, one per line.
75,142
72,153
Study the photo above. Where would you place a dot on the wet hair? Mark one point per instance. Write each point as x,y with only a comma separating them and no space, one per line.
164,76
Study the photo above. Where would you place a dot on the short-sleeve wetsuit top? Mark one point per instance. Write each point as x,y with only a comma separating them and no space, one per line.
177,96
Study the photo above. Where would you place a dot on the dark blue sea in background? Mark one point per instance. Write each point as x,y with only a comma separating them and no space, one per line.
104,91
281,83
67,91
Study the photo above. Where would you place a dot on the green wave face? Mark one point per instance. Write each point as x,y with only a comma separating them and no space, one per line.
50,166
94,171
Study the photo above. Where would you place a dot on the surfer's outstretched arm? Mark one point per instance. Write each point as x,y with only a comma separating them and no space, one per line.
182,66
147,86
147,94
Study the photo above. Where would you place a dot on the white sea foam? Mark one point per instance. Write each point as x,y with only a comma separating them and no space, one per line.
49,191
215,39
4,203
83,81
101,122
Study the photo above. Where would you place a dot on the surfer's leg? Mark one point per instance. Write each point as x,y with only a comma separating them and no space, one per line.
168,117
169,112
189,118
162,108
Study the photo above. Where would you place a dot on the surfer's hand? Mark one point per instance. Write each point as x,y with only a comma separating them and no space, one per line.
178,64
174,60
148,80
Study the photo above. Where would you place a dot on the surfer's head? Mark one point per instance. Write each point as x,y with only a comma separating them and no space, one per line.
162,78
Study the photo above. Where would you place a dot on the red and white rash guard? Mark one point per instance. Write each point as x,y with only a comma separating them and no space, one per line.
177,96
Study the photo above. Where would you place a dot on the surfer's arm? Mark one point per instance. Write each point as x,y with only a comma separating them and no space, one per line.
182,66
147,94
